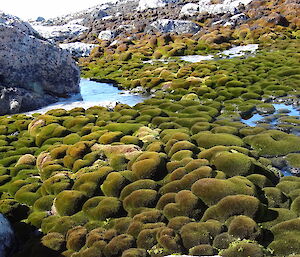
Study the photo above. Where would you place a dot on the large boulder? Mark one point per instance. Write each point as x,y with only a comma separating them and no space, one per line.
6,236
33,72
175,26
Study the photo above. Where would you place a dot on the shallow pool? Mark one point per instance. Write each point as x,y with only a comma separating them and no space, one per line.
95,93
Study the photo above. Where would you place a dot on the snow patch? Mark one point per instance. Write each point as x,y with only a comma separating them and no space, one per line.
225,7
146,4
78,49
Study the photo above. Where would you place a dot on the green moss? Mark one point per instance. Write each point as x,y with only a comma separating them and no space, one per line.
50,131
140,198
198,233
207,139
212,190
275,198
139,184
273,143
71,139
44,203
125,128
110,137
69,202
149,165
113,184
13,210
244,249
186,204
135,252
36,218
118,245
201,250
56,184
223,240
243,227
54,241
232,164
235,205
28,194
102,208
89,183
76,238
187,180
286,237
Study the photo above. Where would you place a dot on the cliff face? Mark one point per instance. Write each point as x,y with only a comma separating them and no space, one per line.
33,72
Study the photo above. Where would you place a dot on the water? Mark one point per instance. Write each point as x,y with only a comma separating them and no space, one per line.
281,110
94,93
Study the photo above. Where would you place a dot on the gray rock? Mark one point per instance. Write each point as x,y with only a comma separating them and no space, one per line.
32,68
6,236
175,26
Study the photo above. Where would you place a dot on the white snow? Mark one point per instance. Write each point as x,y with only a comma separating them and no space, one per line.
189,9
106,35
145,4
67,30
78,49
225,7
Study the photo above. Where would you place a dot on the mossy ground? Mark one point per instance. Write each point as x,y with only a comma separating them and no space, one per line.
179,174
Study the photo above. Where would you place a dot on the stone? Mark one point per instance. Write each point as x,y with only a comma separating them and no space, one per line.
31,68
175,26
6,236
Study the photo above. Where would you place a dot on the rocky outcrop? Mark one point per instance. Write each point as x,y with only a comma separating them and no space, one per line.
6,236
175,26
33,72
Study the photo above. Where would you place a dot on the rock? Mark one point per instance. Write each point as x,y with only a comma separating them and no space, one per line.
40,19
175,26
6,236
236,19
189,9
31,68
227,6
60,33
107,35
278,19
78,49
